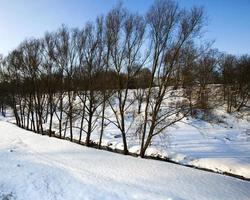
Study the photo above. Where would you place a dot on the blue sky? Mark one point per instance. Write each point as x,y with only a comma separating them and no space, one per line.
228,20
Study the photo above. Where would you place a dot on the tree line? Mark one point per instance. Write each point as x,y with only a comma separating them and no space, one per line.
121,61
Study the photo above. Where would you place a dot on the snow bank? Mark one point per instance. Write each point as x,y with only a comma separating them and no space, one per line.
38,167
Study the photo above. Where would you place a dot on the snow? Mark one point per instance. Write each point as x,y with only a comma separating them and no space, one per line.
221,146
221,143
211,146
38,167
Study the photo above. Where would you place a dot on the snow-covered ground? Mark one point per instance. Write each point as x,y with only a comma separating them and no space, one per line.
221,143
38,167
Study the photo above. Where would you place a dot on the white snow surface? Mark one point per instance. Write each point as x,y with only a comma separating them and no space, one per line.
38,167
220,143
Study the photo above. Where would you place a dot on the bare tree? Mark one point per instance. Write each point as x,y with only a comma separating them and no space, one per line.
235,81
126,37
93,57
61,57
49,67
170,29
204,76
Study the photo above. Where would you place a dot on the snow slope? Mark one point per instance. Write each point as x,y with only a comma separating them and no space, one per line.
38,167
